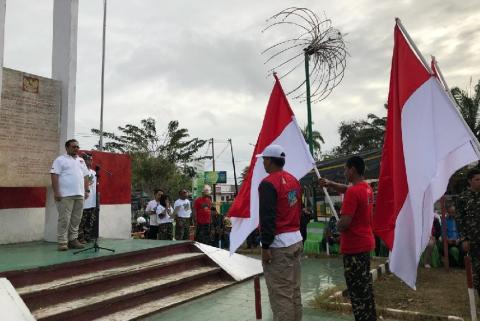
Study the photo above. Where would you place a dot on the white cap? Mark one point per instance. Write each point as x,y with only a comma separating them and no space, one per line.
273,151
141,220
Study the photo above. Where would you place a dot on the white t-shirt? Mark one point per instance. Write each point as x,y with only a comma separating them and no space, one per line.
182,208
91,201
167,212
71,172
152,207
286,239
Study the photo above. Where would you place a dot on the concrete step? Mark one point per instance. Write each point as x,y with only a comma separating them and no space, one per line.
25,278
129,296
91,277
164,303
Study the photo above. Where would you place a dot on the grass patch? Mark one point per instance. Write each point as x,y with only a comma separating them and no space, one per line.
438,292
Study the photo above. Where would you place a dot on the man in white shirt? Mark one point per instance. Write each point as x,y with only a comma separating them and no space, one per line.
88,217
151,210
69,176
183,211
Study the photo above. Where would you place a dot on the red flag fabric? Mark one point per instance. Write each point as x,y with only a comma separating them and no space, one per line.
279,127
426,141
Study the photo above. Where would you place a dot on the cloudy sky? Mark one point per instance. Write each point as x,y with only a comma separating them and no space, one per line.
199,62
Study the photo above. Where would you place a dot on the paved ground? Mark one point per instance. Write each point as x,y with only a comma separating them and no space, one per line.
237,303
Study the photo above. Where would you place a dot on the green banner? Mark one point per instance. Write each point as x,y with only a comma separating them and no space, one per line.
212,178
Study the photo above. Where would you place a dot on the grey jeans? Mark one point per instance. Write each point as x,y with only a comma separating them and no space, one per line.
69,216
283,278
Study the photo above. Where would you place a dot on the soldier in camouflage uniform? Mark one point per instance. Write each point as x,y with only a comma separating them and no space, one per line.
468,220
356,237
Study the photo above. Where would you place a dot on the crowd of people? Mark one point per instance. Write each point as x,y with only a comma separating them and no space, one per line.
183,219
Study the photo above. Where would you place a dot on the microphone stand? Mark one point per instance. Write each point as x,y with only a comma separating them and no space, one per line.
95,246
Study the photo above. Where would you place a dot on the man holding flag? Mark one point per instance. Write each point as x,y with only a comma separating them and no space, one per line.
274,204
280,196
356,237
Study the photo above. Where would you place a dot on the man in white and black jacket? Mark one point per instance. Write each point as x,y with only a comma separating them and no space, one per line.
280,209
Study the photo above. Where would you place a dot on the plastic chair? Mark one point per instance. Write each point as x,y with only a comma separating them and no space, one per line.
315,235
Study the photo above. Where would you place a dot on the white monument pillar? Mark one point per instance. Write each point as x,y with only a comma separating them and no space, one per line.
3,8
64,68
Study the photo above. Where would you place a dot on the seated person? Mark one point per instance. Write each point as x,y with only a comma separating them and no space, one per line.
140,229
455,251
436,233
331,233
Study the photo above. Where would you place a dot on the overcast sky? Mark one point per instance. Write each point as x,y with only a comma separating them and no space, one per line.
199,62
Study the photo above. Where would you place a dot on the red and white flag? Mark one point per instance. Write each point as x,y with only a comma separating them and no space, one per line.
426,141
279,127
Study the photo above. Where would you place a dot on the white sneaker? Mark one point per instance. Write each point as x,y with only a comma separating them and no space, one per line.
427,266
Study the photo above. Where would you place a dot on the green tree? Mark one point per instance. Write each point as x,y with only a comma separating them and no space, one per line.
360,135
469,105
317,141
157,160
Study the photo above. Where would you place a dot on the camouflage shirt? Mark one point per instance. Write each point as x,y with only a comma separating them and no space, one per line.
468,215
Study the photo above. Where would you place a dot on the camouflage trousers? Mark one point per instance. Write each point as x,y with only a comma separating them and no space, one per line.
475,254
360,286
182,228
165,231
202,233
86,224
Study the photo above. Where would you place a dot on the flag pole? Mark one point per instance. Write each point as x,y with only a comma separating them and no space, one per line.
329,200
413,45
102,84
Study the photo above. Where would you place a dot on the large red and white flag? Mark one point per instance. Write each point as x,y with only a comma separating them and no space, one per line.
279,127
426,141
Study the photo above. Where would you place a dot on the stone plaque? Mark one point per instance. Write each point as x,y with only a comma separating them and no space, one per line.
29,128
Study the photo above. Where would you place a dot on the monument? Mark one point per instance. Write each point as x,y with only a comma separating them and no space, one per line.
29,128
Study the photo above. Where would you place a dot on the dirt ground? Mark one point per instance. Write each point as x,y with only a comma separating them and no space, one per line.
438,292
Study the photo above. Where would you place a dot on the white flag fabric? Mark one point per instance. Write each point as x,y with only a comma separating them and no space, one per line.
426,141
279,127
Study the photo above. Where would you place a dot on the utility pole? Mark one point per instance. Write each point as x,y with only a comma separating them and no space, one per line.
234,170
213,165
103,74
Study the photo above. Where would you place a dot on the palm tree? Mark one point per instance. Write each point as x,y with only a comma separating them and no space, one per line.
469,106
317,141
244,174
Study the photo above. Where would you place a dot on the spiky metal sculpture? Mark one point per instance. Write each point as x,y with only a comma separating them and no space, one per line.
310,38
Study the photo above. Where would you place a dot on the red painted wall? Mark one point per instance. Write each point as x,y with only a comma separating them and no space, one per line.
115,184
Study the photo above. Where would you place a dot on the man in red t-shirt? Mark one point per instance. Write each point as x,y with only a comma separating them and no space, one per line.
202,216
356,237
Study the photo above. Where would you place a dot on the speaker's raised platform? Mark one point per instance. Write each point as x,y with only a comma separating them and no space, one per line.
141,278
